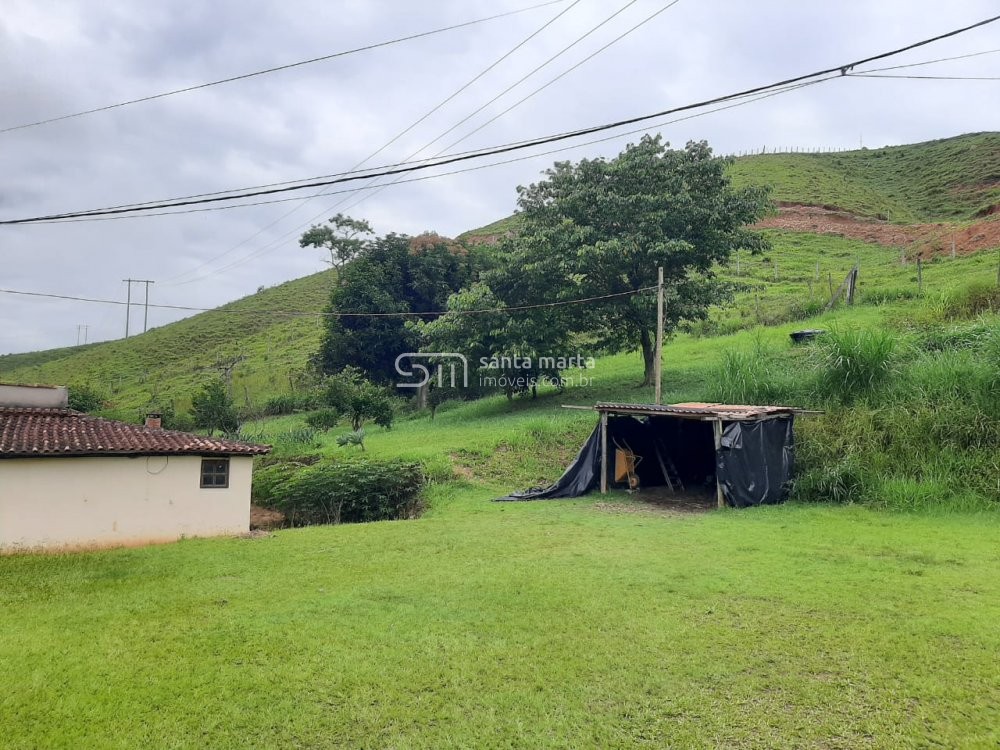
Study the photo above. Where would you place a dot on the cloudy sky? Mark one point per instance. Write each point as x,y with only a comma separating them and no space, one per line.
63,56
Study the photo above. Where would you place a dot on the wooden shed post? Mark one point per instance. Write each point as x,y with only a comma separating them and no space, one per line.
717,430
604,452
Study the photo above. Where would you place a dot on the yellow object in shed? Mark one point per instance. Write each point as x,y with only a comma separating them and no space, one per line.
625,463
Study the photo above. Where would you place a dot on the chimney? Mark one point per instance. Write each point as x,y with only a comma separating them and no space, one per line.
153,421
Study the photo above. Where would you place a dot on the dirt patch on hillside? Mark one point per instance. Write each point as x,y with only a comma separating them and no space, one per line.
924,240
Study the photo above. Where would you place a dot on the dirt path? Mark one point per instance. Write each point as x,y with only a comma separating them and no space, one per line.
924,240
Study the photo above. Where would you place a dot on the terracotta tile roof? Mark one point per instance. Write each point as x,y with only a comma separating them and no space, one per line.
26,432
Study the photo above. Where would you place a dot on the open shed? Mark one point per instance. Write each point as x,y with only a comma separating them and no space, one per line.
741,454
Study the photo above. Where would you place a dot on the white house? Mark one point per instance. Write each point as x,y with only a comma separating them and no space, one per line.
69,480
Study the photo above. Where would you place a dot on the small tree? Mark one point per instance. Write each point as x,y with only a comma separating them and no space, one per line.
212,409
342,237
360,400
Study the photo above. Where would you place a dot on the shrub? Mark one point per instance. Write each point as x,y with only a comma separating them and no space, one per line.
290,403
85,398
972,300
352,490
285,443
352,438
854,362
323,419
887,295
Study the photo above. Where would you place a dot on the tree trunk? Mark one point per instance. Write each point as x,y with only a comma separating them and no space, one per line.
648,357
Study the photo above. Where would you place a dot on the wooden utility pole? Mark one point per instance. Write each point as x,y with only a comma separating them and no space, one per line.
658,363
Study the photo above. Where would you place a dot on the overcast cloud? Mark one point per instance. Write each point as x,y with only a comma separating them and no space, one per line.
60,56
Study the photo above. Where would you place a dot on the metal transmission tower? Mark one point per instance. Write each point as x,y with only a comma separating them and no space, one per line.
145,305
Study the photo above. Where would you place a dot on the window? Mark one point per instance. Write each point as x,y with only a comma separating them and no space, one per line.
215,472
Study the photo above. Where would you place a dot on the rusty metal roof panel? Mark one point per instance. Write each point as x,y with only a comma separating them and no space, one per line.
699,410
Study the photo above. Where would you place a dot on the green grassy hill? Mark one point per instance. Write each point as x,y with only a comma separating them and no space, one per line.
168,364
949,179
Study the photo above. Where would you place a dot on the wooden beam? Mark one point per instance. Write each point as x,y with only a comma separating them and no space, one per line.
717,430
658,363
604,453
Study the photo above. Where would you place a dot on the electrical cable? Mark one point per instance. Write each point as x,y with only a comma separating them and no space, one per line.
431,142
354,191
526,98
925,78
314,314
300,63
931,62
193,271
843,69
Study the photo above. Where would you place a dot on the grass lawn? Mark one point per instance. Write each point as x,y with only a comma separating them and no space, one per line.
547,624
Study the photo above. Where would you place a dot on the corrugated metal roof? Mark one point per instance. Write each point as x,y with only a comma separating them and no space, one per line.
699,410
27,432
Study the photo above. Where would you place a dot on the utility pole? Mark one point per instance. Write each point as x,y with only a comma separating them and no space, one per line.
128,303
81,327
658,362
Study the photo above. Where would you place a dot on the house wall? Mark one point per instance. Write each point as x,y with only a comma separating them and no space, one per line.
38,396
107,501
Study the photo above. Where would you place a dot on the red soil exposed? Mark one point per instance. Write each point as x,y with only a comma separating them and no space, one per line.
924,240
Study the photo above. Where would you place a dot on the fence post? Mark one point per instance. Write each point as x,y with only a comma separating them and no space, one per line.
920,275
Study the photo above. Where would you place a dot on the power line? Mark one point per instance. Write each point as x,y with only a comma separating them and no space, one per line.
479,109
388,143
932,62
427,164
541,88
277,68
475,168
399,168
925,78
316,314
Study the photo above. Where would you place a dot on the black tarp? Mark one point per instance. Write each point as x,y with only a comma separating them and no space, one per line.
755,462
580,477
753,465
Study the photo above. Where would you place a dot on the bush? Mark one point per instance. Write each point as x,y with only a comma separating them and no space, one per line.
85,398
972,300
352,438
854,362
290,404
354,490
323,419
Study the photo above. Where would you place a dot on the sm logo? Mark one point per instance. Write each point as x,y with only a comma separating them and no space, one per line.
442,367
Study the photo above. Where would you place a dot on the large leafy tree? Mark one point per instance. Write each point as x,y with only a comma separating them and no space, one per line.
603,227
342,237
393,274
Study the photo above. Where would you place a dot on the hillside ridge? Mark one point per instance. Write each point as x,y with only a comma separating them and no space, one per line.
831,208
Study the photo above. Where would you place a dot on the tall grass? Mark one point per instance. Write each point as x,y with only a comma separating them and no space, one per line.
854,362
